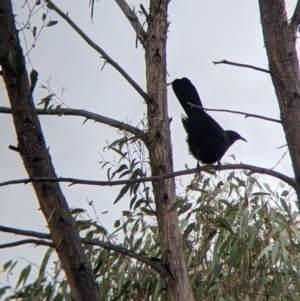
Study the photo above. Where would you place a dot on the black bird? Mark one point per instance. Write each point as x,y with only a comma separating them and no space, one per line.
206,139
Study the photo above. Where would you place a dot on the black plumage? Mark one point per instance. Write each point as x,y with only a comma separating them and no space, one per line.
207,140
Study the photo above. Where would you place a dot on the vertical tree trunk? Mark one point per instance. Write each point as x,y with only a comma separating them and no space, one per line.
280,41
178,287
37,162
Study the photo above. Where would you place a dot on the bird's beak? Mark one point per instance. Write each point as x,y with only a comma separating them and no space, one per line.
241,138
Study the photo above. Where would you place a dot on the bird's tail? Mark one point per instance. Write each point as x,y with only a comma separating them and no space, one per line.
186,93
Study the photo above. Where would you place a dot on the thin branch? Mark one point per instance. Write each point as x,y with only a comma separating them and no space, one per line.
133,19
148,261
88,115
144,11
237,112
104,55
25,232
27,241
295,20
95,242
241,65
73,181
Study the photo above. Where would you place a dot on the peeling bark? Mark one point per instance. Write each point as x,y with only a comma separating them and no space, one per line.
160,149
280,42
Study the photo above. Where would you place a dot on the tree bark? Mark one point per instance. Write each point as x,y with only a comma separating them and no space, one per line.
160,150
280,41
37,162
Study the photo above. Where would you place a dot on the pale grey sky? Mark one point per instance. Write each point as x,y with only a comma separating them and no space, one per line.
200,32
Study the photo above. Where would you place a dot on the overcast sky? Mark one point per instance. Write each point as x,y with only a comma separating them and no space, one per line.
200,32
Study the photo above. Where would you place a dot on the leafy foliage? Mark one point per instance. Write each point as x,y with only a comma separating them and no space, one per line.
241,239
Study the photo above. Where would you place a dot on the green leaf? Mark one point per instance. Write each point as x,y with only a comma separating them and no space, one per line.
122,193
275,249
51,23
117,223
23,276
245,219
138,203
121,168
213,288
77,210
252,237
147,211
286,207
188,229
175,205
125,173
137,243
296,232
45,260
283,242
132,201
264,252
225,224
7,265
46,100
233,255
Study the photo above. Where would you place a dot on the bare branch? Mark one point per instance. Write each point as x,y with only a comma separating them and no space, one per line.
27,241
104,55
95,242
295,20
148,261
73,181
88,115
144,11
237,112
133,19
24,232
241,65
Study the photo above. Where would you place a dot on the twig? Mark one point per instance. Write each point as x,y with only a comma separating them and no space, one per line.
133,19
237,112
284,154
73,181
104,55
88,115
241,65
144,11
14,148
295,20
95,242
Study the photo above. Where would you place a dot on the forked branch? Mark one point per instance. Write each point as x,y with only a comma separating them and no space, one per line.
133,19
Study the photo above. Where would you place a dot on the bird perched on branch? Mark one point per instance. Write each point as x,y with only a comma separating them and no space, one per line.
206,139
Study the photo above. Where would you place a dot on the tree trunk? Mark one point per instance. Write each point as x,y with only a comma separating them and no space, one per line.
37,162
159,145
280,41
